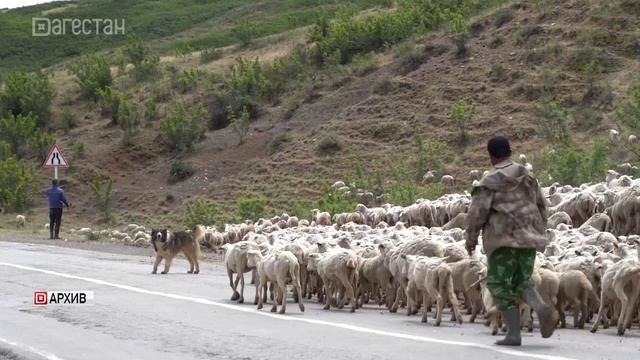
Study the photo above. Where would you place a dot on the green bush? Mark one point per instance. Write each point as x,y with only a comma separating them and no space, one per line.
187,80
180,170
239,124
135,50
553,121
148,69
278,142
459,26
150,110
199,211
503,16
184,127
592,60
461,117
78,149
429,155
245,31
93,74
410,60
128,119
109,101
335,202
103,193
405,193
628,110
250,208
17,185
209,55
23,137
382,85
67,121
302,209
27,93
328,145
574,166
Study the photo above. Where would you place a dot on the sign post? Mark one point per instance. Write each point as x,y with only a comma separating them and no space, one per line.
55,160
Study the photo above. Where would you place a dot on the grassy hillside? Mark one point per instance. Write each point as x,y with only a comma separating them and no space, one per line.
179,26
374,96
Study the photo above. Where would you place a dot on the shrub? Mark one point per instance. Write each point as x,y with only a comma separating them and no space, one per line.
120,60
209,55
27,93
459,26
180,170
628,110
67,121
328,145
278,142
103,192
135,50
184,127
93,75
150,110
199,211
410,60
573,166
17,185
250,208
461,117
553,121
592,60
503,16
587,118
128,119
239,125
109,101
405,193
382,85
40,143
302,209
148,69
245,31
188,80
335,202
78,148
22,136
429,156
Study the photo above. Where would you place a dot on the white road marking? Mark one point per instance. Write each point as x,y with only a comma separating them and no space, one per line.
44,354
355,328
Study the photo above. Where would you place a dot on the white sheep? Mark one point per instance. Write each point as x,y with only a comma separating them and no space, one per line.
339,273
523,158
277,268
448,181
575,290
235,260
321,218
20,221
613,135
429,177
632,139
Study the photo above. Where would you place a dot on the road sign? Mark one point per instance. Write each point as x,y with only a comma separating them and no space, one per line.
55,158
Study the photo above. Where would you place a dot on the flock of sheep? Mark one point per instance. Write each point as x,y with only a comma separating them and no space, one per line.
414,258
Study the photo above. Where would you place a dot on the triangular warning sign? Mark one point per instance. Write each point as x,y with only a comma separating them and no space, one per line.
55,158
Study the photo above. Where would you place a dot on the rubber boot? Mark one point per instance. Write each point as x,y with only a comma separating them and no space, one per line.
511,318
544,311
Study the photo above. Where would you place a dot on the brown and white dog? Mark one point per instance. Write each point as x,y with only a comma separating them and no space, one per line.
167,245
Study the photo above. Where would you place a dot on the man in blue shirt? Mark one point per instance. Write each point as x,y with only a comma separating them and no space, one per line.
56,201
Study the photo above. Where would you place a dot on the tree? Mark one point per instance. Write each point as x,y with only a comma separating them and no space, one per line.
93,75
103,192
184,127
17,185
250,208
240,125
200,211
461,116
135,51
27,93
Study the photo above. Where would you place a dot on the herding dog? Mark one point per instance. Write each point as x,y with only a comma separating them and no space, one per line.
167,245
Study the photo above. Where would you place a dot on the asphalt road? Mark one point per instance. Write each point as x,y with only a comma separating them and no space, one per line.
136,315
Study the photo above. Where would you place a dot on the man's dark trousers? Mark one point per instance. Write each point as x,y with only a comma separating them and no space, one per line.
55,217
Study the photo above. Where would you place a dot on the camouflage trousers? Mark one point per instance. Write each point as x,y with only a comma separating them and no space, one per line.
509,275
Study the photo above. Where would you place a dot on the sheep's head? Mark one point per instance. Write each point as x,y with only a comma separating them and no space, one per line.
254,257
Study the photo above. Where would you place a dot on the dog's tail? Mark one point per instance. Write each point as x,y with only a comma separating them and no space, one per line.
198,236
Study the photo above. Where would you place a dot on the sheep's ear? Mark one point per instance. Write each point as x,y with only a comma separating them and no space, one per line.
381,246
404,256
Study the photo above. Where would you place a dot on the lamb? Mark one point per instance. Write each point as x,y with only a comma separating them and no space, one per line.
338,271
374,277
20,221
558,218
576,290
433,277
321,218
235,260
277,268
621,282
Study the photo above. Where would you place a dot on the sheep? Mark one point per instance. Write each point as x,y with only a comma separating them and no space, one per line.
621,282
321,218
431,276
429,177
20,221
448,181
623,218
374,277
579,207
523,158
338,271
475,174
235,260
613,135
293,221
632,139
465,280
576,290
338,184
277,268
558,218
601,222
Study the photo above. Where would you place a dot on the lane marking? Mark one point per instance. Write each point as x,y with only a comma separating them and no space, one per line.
31,349
516,353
